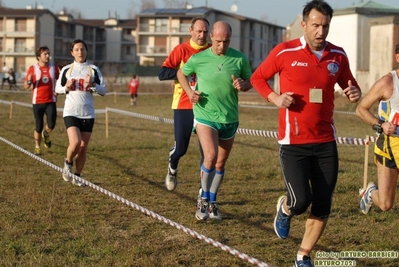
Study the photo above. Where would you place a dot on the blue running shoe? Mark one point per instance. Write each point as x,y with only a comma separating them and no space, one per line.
281,221
365,200
306,262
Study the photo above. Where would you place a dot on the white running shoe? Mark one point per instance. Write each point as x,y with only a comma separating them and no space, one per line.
67,171
202,210
213,211
76,182
365,198
199,198
171,179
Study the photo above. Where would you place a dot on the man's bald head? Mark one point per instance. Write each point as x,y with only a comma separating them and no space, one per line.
220,36
221,26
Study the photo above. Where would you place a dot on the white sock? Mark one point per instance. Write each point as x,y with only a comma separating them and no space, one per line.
299,257
284,211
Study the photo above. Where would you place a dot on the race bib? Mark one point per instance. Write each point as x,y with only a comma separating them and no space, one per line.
315,95
394,117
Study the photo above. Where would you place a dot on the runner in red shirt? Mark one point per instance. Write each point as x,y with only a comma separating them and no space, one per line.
134,85
41,78
309,67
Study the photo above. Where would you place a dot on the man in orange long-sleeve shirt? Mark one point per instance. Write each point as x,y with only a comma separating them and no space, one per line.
182,108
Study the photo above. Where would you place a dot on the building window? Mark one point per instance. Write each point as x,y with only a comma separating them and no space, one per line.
161,25
261,50
58,48
100,52
20,45
128,50
71,31
20,25
58,30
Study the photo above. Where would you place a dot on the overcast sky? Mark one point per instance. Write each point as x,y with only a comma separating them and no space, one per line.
280,12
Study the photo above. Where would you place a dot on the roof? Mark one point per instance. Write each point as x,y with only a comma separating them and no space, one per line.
16,12
196,11
91,22
124,23
175,11
368,8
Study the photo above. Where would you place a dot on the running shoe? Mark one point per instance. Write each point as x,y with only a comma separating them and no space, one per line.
46,137
171,179
199,198
67,171
282,221
365,198
202,210
306,262
76,182
213,211
38,151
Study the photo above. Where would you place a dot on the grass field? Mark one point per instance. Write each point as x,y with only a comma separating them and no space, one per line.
48,222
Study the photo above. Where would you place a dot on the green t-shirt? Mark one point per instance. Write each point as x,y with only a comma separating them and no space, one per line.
219,98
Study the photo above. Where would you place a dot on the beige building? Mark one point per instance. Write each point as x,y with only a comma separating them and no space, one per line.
119,46
160,30
111,42
368,32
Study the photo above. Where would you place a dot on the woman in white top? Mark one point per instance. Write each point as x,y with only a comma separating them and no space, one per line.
79,81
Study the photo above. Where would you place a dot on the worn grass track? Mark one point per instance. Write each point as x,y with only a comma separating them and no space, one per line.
48,222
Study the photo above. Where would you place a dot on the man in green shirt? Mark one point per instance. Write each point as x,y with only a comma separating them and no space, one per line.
221,72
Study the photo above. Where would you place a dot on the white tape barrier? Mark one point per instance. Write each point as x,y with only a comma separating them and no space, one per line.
154,215
262,133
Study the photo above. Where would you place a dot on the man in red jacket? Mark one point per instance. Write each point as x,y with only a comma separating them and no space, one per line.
309,67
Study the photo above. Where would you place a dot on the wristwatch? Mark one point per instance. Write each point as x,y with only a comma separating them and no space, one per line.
377,127
29,82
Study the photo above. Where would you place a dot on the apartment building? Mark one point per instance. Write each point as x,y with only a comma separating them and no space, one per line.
119,46
369,32
160,30
111,42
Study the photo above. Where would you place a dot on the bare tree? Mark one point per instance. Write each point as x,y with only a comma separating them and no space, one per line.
75,13
264,17
174,4
147,4
132,11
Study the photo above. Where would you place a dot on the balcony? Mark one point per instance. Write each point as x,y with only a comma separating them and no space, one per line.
148,50
147,29
18,50
128,38
17,31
